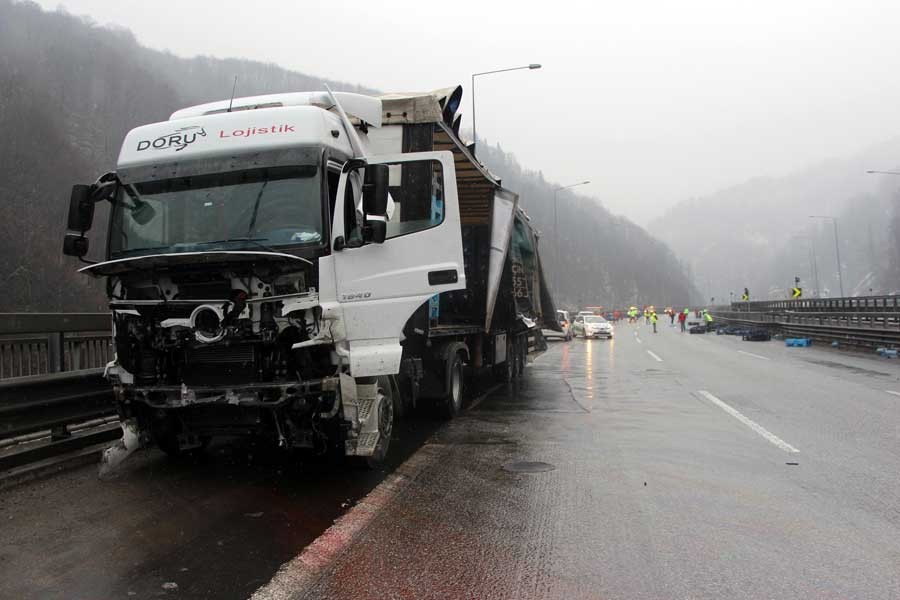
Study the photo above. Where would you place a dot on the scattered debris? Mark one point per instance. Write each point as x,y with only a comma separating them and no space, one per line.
170,586
254,515
793,464
798,342
886,352
122,449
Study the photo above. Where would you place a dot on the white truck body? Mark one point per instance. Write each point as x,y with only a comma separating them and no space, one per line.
304,329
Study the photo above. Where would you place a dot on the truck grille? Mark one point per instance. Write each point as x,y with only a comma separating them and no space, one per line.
220,355
219,365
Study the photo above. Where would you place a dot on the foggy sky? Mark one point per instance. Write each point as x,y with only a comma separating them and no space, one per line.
654,102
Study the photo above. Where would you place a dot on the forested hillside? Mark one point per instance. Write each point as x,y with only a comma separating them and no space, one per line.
70,90
760,235
603,259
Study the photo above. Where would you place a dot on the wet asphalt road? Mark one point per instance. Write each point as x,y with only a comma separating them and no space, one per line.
217,526
685,467
659,491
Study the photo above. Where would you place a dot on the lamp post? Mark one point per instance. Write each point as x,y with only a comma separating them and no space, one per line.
556,226
474,75
837,248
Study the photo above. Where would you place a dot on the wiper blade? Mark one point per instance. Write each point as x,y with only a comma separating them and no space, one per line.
253,240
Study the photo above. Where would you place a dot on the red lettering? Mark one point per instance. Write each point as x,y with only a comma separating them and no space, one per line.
222,134
286,128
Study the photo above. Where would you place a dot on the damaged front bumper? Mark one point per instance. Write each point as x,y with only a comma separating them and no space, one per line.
270,395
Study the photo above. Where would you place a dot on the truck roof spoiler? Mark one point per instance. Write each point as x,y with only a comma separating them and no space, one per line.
364,108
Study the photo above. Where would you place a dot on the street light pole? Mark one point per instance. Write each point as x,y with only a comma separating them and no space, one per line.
837,249
474,75
556,227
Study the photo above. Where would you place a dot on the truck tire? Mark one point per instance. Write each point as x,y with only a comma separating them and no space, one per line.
521,355
506,371
451,404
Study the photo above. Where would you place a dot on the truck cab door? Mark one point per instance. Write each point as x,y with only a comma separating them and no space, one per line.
380,285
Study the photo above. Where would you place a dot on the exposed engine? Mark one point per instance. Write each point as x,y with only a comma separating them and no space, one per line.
190,341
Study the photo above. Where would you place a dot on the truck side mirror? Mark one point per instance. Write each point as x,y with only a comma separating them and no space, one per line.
375,230
375,201
81,209
75,245
375,190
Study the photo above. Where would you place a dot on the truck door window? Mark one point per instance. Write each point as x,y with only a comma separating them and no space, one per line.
417,189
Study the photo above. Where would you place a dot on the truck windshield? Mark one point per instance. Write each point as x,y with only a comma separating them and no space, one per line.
249,209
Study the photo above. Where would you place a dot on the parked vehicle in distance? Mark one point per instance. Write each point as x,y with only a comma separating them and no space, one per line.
589,326
565,323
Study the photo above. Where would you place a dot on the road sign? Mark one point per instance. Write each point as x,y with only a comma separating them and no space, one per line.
796,292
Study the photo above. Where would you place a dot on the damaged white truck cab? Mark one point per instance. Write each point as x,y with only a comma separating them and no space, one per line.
270,275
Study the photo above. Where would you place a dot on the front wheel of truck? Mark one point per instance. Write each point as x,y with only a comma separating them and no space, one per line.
451,404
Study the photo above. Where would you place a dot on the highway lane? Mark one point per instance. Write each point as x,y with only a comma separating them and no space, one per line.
657,492
667,481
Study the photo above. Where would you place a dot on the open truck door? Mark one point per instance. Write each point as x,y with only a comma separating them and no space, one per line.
387,265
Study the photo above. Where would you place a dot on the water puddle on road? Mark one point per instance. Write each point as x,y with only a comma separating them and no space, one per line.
852,369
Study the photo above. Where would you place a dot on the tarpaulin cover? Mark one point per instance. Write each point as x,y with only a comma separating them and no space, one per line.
534,306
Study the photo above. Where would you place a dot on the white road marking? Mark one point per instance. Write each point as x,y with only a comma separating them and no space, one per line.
893,392
771,437
651,353
636,338
754,355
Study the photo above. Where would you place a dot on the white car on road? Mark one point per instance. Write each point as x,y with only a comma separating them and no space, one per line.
588,326
565,323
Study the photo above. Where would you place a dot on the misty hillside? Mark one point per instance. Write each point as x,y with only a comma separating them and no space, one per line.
604,259
70,90
759,234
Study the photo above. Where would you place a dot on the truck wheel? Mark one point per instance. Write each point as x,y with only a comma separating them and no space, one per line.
451,404
521,355
506,371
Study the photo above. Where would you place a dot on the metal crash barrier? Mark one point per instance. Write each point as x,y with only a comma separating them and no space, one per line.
51,383
872,321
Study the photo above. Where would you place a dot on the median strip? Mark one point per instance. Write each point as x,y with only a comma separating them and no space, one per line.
771,437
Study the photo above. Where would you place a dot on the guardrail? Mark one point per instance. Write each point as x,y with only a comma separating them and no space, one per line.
885,304
44,343
51,384
866,325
